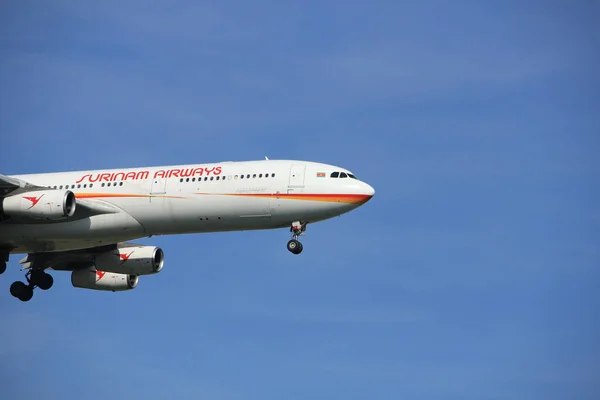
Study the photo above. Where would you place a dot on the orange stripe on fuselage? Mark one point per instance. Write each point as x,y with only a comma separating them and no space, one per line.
332,198
97,195
117,195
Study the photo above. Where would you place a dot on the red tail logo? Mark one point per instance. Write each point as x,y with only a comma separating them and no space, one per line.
33,200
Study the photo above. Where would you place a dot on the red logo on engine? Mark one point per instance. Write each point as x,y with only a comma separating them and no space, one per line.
33,200
100,275
124,257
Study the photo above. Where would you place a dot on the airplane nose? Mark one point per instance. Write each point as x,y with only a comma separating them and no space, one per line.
369,191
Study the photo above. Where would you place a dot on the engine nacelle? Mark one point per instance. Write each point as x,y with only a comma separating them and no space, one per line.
137,260
40,204
91,278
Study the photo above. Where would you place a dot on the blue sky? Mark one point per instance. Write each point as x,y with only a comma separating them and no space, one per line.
472,274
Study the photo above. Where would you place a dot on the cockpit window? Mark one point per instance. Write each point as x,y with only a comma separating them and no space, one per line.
338,174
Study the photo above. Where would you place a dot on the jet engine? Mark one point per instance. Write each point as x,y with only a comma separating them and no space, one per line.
90,278
137,260
40,204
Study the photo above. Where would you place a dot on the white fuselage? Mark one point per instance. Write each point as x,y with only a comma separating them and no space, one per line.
180,199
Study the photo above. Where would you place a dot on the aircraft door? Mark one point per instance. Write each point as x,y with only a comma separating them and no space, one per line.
297,176
158,187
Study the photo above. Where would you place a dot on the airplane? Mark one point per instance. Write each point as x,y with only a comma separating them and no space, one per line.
85,221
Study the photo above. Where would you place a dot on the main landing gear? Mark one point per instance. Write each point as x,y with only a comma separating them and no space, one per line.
35,277
294,246
3,261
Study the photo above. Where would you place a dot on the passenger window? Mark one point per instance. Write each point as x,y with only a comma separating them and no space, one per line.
91,184
248,176
241,176
260,175
61,186
335,174
212,178
343,175
272,175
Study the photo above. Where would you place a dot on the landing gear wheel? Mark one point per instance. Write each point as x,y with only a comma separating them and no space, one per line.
27,294
294,246
44,281
21,291
2,267
17,288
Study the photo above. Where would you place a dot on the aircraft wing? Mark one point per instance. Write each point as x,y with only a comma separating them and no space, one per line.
69,260
65,260
6,182
84,207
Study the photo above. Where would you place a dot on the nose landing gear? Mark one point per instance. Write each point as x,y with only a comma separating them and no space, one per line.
294,245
